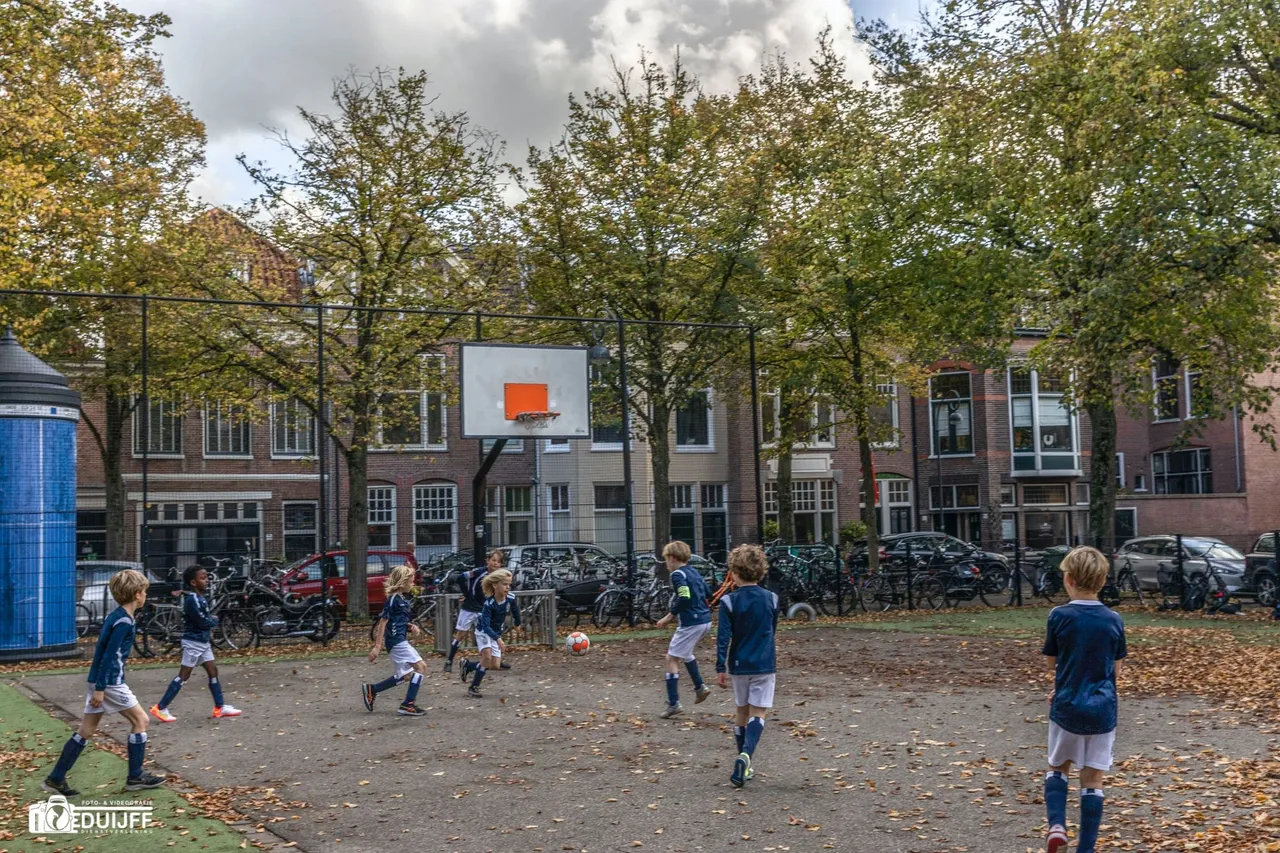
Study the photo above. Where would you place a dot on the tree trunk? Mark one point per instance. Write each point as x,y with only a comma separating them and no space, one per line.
862,424
659,452
358,529
1102,481
786,505
114,446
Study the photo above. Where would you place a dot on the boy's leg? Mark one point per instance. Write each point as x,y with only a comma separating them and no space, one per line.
138,748
741,715
220,708
1055,800
673,681
1091,801
171,693
754,728
72,748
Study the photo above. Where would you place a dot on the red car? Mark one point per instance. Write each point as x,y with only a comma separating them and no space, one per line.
304,578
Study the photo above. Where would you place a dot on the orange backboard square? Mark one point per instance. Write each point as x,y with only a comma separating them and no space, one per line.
524,397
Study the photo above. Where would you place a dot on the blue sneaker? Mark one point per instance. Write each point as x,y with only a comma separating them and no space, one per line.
741,770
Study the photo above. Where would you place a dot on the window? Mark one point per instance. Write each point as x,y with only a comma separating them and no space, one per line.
951,406
1042,423
813,508
556,445
226,431
559,513
1120,484
893,504
91,533
611,497
884,416
1008,495
1182,472
606,414
684,519
435,520
1139,482
412,420
822,421
1197,405
164,435
293,429
301,537
693,422
961,496
610,518
715,520
517,508
1165,379
513,445
1052,494
382,516
1082,493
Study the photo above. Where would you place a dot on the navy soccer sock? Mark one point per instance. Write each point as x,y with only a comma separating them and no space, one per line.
453,649
70,752
137,752
475,682
751,737
385,684
673,688
1090,819
171,692
1055,797
215,687
692,666
739,733
414,683
469,667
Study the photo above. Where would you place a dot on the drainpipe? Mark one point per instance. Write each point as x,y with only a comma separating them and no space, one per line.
1235,435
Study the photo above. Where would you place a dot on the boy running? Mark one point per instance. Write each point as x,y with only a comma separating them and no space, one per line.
393,628
489,627
472,602
689,605
1085,639
745,647
196,648
108,692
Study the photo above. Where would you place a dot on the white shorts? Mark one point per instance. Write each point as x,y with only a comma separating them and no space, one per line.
684,639
753,690
403,657
467,620
116,698
195,653
484,641
1081,750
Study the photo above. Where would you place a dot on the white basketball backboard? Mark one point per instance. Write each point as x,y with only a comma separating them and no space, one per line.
491,372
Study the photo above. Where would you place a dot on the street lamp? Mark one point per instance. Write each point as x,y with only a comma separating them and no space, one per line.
953,421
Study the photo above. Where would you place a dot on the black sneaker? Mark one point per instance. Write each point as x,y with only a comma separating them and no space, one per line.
409,709
368,694
505,665
143,782
448,666
466,664
59,788
473,692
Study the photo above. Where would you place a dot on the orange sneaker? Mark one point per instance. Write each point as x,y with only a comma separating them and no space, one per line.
162,714
226,711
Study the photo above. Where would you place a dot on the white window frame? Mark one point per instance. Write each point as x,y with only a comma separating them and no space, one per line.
710,446
426,511
934,435
1120,480
215,413
139,416
513,445
1156,379
556,445
558,510
1013,494
298,408
1186,393
1066,492
379,522
529,514
605,446
1038,451
286,531
424,418
1199,473
816,441
890,389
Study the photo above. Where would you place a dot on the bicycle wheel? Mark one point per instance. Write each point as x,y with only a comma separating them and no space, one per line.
1130,589
1049,586
84,621
237,630
142,631
928,593
167,627
839,597
608,611
880,594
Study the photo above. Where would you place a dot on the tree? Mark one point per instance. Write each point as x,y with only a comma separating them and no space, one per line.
646,210
1071,153
389,208
96,156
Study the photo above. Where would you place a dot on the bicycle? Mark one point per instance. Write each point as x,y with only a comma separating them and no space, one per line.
1040,581
1120,586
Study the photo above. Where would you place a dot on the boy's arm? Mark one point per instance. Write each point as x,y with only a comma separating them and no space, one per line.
515,609
121,638
683,598
724,633
379,631
485,622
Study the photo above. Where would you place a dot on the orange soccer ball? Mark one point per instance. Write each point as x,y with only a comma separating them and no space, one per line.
577,643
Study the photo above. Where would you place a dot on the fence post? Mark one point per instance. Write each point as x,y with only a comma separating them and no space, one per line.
322,440
755,434
911,601
1017,563
146,441
625,393
1182,577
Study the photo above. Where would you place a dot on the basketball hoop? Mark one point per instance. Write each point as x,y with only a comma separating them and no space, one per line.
536,420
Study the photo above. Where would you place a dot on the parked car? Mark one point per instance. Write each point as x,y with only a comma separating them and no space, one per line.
92,577
1146,554
303,578
1261,580
925,543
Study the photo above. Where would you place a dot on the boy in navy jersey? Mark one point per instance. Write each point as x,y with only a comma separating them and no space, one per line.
689,605
1086,641
393,629
108,692
489,627
745,647
472,602
196,648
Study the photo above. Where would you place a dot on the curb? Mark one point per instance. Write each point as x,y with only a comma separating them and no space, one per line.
268,839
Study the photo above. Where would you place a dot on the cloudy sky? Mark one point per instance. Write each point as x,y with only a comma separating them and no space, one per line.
246,65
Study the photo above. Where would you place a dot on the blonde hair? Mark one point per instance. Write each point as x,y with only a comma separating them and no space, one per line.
677,550
1087,568
749,563
400,580
494,578
126,585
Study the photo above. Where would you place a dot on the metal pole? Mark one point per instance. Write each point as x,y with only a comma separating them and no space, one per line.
625,394
1017,562
322,441
146,438
1182,577
755,433
911,602
480,542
